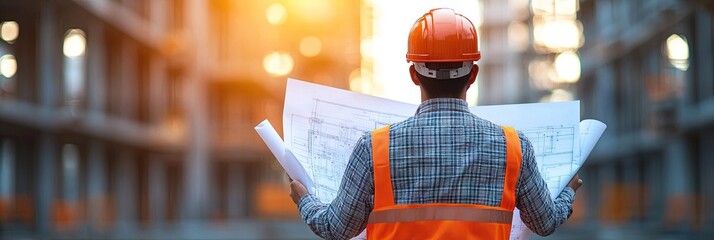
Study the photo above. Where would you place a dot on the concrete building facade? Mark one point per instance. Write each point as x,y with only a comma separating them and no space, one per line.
134,119
647,73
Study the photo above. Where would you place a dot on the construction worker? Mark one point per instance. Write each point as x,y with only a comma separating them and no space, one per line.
443,173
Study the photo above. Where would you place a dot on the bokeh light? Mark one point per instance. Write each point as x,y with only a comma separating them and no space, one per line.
75,43
310,46
677,50
276,14
9,31
278,63
8,65
567,66
558,34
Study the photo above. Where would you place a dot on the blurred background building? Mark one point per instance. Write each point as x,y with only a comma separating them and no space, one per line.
648,73
133,119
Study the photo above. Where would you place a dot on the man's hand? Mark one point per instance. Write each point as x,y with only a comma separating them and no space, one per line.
297,190
575,182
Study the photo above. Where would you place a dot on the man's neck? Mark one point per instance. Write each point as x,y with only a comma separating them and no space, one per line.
425,96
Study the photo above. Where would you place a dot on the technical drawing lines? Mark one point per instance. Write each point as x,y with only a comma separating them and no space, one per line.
332,131
555,152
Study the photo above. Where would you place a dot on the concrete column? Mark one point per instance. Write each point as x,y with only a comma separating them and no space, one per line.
607,199
159,11
604,96
70,161
703,62
632,186
48,44
126,195
157,191
678,184
47,158
654,181
7,169
157,89
96,81
678,168
215,200
96,184
196,167
237,195
593,188
127,79
707,164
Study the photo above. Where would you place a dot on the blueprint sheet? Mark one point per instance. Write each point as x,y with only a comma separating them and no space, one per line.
322,125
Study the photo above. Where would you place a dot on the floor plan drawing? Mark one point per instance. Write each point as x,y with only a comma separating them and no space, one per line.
555,151
333,131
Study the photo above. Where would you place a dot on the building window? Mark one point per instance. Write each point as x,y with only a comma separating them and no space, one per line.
74,49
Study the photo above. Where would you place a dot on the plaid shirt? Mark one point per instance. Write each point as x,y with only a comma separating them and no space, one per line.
443,154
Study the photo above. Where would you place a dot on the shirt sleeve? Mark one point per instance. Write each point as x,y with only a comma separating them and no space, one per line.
541,214
347,215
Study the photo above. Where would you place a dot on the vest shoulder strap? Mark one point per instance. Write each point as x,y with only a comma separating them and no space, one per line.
383,194
513,167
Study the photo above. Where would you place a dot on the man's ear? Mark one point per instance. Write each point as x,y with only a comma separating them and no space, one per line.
413,74
472,76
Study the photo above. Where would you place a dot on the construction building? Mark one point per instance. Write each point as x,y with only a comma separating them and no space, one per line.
647,73
134,119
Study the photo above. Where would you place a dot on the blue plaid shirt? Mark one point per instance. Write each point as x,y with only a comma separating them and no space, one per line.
443,154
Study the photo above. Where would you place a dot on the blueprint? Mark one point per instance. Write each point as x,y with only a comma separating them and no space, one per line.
322,125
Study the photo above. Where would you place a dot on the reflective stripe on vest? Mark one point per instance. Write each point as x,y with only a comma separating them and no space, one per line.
451,213
440,220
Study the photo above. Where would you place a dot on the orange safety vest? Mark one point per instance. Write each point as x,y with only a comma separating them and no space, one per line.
439,220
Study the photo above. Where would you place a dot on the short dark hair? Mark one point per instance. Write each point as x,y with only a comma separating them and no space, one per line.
443,88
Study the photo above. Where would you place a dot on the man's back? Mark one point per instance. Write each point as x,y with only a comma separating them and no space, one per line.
445,154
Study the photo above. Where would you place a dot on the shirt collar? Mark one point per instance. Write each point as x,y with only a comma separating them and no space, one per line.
443,104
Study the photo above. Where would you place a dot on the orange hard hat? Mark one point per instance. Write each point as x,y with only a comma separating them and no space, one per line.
442,35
